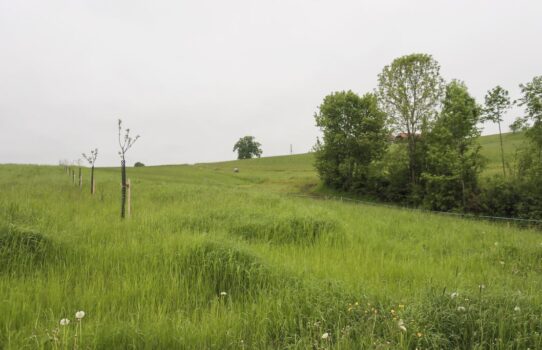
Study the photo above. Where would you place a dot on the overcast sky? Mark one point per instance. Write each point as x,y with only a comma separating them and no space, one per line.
191,77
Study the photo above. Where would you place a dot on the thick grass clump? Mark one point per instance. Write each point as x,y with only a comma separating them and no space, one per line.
216,269
289,229
22,249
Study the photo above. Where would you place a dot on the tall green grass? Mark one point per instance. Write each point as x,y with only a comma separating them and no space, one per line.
215,259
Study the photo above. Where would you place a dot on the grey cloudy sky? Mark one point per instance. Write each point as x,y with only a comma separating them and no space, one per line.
193,76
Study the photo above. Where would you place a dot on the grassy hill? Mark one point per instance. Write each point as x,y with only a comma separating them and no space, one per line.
296,173
215,259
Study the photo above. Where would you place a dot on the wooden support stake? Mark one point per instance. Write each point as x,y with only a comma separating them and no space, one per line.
128,198
93,186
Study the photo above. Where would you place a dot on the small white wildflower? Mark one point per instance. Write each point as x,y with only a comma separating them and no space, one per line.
64,322
79,314
517,309
401,325
454,295
482,286
223,294
325,336
461,309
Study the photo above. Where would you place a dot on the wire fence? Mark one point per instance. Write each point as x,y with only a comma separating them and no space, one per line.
518,221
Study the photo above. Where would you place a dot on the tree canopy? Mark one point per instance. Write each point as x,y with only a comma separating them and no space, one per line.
354,135
410,89
247,147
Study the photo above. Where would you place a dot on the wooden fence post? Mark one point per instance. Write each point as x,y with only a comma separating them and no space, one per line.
129,197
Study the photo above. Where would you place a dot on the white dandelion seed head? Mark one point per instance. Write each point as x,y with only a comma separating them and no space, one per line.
325,336
64,322
482,286
461,309
517,309
79,314
454,295
401,325
496,244
223,294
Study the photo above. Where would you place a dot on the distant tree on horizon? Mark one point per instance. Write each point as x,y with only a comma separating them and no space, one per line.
247,147
517,125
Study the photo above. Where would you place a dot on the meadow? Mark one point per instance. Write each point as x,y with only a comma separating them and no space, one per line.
222,260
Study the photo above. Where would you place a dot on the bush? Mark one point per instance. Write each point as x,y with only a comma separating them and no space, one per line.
139,164
516,197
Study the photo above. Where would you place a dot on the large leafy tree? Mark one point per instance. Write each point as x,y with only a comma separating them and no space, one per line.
410,90
453,161
497,102
247,147
354,135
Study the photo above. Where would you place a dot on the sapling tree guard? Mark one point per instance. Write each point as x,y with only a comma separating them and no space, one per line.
125,143
91,159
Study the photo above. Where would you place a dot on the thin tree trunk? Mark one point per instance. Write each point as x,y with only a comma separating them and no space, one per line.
502,150
80,179
412,159
123,190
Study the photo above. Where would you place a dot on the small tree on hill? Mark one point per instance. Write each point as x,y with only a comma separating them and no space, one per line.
497,102
125,142
517,125
138,165
247,147
91,159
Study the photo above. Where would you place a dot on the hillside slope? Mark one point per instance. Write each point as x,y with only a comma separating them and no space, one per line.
222,260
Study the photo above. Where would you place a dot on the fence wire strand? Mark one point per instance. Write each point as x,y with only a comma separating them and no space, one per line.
533,222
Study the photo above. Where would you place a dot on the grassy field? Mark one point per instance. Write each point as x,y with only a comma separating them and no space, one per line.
214,259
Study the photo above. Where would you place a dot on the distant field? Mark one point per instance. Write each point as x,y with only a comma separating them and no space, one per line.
214,259
491,149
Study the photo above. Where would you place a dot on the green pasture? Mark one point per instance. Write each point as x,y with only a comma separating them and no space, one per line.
222,260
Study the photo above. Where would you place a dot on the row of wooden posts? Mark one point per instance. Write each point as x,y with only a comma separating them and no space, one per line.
78,181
